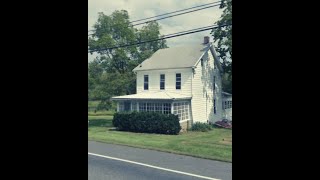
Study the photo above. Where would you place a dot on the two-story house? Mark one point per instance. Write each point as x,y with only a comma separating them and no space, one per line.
185,81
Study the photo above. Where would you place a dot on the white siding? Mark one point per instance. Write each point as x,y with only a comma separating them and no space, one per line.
198,102
203,93
217,94
170,80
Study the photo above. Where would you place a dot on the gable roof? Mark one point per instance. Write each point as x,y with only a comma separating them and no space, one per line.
175,57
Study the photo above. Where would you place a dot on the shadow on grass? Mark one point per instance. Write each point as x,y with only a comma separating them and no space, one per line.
113,129
100,123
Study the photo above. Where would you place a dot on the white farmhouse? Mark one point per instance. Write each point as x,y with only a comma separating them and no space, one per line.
181,80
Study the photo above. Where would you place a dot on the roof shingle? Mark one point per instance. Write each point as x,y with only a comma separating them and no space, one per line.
175,57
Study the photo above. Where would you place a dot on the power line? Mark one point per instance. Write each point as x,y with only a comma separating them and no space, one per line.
162,38
173,12
189,30
177,14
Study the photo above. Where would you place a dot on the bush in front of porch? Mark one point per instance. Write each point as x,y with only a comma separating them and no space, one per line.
147,122
203,127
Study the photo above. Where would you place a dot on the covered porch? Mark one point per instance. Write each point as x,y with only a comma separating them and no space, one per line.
161,102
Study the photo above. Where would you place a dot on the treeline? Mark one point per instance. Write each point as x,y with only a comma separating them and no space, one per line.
110,73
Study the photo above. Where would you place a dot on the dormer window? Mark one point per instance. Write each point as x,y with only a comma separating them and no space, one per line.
146,82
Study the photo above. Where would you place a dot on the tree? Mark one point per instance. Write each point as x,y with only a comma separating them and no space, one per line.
223,37
116,30
117,64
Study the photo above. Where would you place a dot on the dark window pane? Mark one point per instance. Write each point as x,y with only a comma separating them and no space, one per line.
161,85
146,82
178,81
162,81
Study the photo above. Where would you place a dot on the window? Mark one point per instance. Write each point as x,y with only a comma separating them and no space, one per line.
178,81
134,106
150,107
227,104
142,106
162,81
182,110
146,82
158,107
121,106
214,107
164,108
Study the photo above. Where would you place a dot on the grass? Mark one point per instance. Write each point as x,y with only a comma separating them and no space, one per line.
101,113
215,144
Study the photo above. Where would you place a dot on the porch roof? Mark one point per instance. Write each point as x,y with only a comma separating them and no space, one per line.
161,95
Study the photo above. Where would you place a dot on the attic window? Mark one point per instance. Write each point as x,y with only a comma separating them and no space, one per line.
201,62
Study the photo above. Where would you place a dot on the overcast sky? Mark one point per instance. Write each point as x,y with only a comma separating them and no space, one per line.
139,9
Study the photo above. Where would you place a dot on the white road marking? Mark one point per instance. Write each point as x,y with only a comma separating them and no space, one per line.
155,167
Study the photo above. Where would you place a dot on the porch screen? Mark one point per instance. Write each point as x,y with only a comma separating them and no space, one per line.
164,108
182,110
121,106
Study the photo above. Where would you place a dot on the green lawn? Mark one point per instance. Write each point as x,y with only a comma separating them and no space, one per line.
215,144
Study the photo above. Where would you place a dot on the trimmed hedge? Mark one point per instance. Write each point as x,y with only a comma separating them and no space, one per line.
147,122
198,126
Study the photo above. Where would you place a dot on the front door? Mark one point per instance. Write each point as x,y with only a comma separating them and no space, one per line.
127,106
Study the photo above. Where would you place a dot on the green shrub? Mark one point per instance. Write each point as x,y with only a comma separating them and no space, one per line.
198,126
147,122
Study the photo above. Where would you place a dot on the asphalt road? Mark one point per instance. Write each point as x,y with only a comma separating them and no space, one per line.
119,163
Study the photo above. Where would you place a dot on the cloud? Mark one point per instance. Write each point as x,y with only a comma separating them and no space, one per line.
139,9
